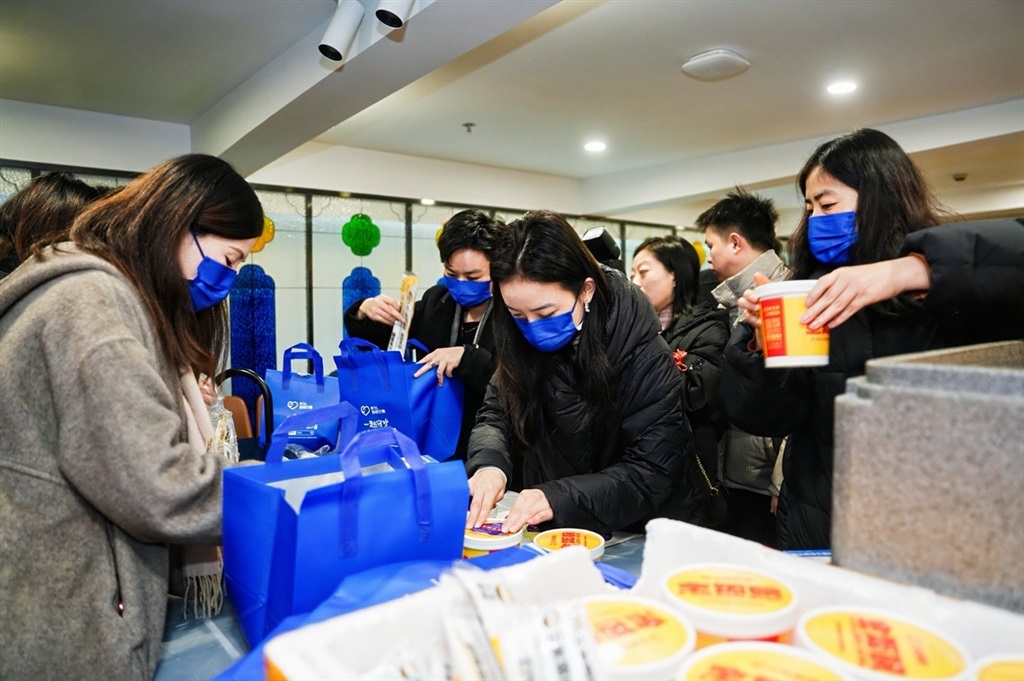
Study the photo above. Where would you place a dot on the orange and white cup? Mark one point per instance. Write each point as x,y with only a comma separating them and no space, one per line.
787,342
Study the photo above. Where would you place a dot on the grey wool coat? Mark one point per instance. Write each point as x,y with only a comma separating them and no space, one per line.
96,475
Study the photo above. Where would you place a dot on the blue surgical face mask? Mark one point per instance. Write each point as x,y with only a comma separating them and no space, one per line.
831,237
549,334
468,293
213,281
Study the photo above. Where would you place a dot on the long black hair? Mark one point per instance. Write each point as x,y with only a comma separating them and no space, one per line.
542,247
893,198
680,258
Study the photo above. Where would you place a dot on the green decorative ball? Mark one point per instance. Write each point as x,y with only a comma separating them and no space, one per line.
360,234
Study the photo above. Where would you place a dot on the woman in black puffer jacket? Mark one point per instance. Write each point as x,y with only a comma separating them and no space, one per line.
666,270
889,282
582,415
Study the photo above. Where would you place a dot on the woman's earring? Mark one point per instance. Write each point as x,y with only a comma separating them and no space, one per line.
586,306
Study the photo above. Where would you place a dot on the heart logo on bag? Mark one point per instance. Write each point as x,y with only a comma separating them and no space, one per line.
293,404
365,410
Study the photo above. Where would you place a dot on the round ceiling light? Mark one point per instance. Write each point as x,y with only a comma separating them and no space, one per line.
595,146
842,87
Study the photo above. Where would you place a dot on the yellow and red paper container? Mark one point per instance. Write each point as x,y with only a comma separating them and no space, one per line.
787,342
729,602
875,644
636,637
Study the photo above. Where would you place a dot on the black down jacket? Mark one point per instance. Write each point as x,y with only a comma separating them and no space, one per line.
976,296
702,335
634,462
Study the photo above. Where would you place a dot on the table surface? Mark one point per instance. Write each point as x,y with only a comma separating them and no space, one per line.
199,649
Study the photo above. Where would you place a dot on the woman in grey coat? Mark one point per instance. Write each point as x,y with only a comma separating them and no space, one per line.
104,458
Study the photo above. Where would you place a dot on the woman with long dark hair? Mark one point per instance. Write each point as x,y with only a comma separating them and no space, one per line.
890,281
107,454
582,416
666,269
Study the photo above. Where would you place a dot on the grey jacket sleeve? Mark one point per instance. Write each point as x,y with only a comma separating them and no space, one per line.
121,444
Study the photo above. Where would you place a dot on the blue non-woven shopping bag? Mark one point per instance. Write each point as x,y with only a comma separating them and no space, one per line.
380,384
294,392
294,529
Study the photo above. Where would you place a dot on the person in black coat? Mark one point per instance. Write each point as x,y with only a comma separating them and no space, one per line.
665,269
452,320
582,416
889,282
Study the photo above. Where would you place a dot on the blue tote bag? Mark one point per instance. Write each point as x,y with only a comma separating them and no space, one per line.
381,386
294,392
294,529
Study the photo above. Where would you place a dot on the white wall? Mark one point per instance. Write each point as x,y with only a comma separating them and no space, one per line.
49,134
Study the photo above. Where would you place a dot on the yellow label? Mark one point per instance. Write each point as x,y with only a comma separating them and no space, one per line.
1002,670
561,539
634,633
784,335
885,644
730,590
758,665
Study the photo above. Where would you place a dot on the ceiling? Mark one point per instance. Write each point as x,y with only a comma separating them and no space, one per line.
555,75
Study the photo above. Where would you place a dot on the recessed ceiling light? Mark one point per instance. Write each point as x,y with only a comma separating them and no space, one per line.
842,87
427,202
595,146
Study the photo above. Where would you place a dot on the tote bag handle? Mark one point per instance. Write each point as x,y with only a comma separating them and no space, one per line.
303,351
344,361
351,488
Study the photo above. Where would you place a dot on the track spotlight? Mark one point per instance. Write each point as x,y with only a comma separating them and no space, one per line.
394,13
342,30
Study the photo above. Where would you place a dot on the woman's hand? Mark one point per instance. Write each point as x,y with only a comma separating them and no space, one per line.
445,360
486,488
750,303
207,389
843,292
382,308
531,508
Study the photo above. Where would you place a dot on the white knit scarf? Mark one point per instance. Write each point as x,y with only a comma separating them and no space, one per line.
202,566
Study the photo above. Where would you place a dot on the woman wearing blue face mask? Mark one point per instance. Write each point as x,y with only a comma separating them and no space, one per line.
582,416
106,456
889,282
452,319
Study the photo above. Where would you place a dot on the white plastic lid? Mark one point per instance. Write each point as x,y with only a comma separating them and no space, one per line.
786,288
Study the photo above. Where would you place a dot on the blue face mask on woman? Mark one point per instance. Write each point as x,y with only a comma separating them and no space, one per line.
549,334
831,237
468,293
213,281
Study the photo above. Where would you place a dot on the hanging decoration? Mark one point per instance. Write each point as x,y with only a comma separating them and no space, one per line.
253,330
266,237
702,255
358,285
360,234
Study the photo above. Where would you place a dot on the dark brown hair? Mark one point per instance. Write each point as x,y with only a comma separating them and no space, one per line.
141,229
41,213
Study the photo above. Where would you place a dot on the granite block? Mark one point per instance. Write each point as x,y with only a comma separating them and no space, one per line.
929,472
